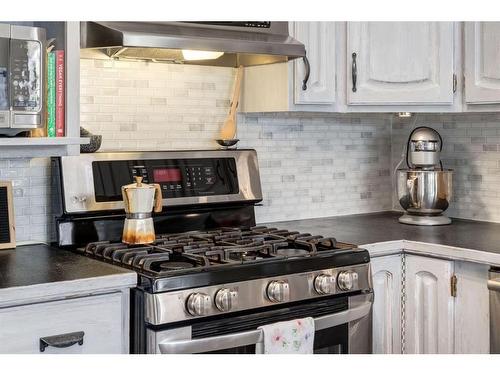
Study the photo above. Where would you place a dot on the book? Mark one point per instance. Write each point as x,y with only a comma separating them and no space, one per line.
60,93
51,94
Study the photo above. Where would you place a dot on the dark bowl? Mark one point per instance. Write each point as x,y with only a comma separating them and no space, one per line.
227,142
94,144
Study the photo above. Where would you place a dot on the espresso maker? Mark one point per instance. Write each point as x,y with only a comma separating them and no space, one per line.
139,200
425,187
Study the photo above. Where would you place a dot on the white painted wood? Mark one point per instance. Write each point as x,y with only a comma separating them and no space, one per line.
401,63
387,286
429,306
100,317
277,87
472,313
66,289
319,39
482,67
433,250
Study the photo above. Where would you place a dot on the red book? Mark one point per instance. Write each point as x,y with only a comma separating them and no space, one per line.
60,93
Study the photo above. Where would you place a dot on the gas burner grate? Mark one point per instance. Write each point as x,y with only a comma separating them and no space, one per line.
199,250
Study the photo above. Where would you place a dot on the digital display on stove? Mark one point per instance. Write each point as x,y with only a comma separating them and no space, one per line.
178,178
167,175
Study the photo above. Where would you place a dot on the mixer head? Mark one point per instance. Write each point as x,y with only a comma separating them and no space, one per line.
424,149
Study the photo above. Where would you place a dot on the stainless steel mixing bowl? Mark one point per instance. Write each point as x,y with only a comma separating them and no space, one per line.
424,193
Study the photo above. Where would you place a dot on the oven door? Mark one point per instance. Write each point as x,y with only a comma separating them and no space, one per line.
343,325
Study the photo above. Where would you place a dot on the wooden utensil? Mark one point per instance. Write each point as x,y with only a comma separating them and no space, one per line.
228,130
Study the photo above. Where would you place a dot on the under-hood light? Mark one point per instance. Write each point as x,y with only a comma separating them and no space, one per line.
192,55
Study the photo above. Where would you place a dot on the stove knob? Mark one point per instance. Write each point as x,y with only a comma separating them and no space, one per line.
198,304
346,279
226,299
324,284
278,291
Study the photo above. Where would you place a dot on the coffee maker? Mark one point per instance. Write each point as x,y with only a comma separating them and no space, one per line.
139,200
425,187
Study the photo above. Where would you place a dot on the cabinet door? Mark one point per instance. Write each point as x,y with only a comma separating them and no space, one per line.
482,62
472,309
386,273
319,40
400,63
429,307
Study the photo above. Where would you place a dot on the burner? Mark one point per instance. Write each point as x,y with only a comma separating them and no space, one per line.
174,266
198,250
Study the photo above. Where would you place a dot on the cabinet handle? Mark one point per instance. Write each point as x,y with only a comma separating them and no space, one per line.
308,72
62,341
354,72
454,83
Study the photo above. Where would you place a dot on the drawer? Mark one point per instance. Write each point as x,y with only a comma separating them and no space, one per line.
100,318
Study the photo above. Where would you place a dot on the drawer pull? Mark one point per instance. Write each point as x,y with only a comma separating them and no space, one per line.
62,341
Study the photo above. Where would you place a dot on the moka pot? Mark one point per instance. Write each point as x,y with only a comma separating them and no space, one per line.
140,200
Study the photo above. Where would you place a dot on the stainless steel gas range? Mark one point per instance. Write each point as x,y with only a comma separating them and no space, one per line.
213,277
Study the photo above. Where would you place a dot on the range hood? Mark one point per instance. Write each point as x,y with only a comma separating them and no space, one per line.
242,43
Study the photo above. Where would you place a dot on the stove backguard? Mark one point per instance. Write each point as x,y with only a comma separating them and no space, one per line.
91,183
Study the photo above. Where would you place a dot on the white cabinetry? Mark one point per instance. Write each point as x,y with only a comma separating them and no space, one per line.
417,310
472,309
280,87
319,39
429,306
387,286
482,62
103,320
400,63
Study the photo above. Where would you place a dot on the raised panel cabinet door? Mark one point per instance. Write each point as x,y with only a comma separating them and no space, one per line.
386,273
429,306
392,63
482,62
319,40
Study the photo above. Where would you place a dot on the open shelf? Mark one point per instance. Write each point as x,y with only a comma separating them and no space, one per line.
40,147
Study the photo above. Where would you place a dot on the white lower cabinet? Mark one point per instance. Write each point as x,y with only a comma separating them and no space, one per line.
386,273
425,305
27,329
429,306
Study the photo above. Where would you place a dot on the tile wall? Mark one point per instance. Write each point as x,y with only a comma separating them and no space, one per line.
312,165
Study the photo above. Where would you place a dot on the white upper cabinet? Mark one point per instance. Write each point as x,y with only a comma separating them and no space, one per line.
429,307
400,63
319,39
482,62
297,85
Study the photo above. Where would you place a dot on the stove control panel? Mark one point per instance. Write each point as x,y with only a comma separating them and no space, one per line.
178,178
175,306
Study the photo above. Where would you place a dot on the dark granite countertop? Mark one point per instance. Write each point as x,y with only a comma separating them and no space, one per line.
41,265
384,226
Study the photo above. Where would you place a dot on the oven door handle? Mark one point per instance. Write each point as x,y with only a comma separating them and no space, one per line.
234,340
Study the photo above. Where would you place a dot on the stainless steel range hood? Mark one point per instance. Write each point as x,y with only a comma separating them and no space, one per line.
243,43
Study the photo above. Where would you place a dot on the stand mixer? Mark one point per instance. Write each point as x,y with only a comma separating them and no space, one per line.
424,189
138,199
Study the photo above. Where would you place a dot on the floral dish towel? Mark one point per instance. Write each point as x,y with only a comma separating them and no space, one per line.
290,337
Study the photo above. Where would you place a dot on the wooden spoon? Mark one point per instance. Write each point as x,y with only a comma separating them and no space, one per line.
228,130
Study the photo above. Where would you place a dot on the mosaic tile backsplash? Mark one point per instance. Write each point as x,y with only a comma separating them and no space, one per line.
311,164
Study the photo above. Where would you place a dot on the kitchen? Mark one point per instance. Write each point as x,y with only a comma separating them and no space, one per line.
297,221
